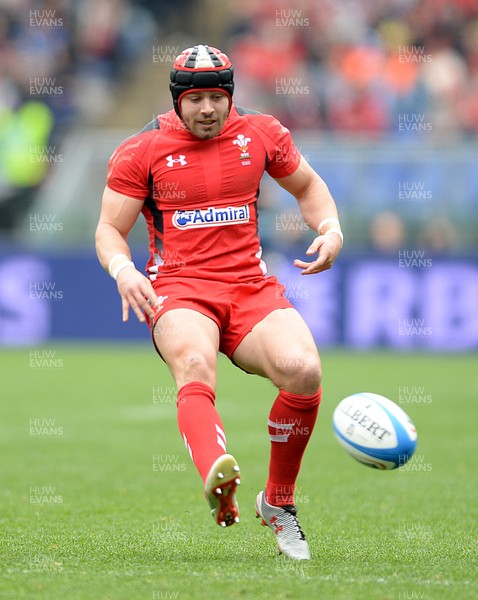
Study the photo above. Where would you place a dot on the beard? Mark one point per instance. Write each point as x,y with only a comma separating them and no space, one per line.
206,128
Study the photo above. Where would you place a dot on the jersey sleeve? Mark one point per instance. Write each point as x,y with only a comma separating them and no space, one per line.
283,157
128,168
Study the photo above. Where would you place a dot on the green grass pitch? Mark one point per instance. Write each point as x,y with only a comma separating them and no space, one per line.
99,499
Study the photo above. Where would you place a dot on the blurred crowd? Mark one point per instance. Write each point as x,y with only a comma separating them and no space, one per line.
61,64
69,55
359,66
375,69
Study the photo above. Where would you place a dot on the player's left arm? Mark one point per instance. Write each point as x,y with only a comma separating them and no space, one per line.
316,205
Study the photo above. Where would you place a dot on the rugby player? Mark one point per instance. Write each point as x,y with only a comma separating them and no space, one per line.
194,173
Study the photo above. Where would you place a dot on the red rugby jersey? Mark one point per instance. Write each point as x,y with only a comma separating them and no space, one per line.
200,196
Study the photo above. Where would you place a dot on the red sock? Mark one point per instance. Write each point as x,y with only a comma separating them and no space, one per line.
200,425
291,422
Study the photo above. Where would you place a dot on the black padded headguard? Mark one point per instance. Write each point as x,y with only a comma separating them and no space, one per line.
198,68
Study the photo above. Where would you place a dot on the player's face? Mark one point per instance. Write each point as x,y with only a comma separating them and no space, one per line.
205,113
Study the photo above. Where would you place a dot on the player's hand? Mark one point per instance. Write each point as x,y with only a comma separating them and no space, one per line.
328,247
136,291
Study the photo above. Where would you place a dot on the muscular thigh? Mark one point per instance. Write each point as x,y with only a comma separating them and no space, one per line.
281,348
188,341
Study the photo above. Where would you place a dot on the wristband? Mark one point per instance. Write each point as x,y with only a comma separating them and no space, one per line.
120,267
124,261
326,222
337,231
115,258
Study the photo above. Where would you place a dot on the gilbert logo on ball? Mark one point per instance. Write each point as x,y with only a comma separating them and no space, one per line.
374,430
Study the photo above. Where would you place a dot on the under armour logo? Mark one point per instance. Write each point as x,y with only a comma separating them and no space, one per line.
172,161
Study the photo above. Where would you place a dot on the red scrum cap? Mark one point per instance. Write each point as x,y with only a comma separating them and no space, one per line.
199,68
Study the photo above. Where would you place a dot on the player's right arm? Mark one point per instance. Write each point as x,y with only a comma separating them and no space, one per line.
118,215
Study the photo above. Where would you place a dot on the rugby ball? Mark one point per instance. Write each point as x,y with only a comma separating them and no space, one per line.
374,430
